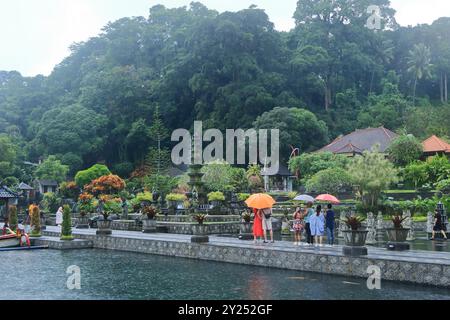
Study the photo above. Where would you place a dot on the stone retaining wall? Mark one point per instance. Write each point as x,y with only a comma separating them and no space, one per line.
409,270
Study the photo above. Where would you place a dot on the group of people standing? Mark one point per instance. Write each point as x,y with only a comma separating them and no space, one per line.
314,222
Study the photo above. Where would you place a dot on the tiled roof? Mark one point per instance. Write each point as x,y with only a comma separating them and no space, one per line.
362,140
282,171
6,193
48,183
24,186
434,144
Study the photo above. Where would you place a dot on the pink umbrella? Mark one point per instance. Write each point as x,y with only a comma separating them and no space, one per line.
328,198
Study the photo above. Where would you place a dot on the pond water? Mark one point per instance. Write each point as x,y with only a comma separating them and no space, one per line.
117,275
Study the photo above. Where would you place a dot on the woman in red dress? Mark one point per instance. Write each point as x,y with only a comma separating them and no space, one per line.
257,225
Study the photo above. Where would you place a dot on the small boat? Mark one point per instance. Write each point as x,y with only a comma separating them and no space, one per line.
9,241
24,248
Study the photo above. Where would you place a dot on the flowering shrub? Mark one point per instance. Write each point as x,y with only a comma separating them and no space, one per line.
86,204
110,184
69,190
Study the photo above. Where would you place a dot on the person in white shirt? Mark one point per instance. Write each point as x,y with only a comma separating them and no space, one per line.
59,217
267,224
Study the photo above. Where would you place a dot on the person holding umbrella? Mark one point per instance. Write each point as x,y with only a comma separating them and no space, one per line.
267,224
259,202
258,232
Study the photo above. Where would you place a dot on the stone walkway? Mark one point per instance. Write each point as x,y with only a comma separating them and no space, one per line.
441,258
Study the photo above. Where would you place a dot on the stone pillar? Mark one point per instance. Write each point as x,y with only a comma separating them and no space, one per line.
372,229
430,223
342,226
380,227
409,224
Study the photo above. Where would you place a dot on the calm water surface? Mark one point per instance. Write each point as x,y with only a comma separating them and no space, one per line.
121,275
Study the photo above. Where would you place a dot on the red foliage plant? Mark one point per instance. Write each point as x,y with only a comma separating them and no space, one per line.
110,184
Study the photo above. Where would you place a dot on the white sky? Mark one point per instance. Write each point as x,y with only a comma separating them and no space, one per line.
35,34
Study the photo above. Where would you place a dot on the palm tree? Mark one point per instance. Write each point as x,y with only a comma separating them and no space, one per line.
419,64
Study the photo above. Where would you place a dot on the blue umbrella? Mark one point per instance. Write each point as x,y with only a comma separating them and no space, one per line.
305,198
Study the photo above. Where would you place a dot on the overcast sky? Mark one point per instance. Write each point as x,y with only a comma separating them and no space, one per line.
35,34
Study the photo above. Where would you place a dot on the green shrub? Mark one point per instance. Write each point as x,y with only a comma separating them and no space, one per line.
404,150
144,196
330,181
66,228
218,176
69,190
216,196
123,169
444,186
112,207
35,222
308,164
51,202
176,197
13,220
243,196
85,177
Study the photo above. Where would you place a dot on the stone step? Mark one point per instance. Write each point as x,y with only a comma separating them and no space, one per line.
58,244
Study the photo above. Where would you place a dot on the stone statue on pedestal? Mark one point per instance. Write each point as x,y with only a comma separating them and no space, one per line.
372,228
408,223
380,227
342,226
124,209
430,222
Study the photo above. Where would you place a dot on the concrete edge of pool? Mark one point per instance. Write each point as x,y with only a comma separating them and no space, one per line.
415,267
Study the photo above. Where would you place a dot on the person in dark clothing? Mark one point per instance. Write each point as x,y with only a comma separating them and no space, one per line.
330,224
439,226
309,213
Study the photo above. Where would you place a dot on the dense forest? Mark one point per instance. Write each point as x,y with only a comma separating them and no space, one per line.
326,77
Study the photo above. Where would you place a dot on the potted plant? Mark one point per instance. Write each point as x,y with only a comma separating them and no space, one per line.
355,238
199,230
216,198
85,206
106,208
175,199
398,234
141,200
246,226
149,222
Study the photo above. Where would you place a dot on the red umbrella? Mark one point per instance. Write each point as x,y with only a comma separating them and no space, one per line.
328,198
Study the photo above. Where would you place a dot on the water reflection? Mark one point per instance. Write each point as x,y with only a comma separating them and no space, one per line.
121,275
258,287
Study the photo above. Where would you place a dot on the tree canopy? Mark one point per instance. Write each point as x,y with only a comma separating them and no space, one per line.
329,75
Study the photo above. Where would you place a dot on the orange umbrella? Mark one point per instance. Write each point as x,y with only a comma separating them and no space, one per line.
260,201
328,198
